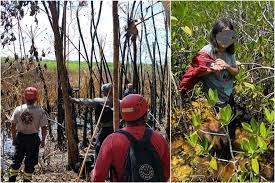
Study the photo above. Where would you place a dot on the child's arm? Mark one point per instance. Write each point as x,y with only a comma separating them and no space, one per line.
213,68
232,70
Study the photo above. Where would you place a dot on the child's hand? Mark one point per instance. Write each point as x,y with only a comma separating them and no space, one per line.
221,63
215,67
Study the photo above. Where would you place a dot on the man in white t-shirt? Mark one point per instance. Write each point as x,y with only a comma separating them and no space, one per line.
26,121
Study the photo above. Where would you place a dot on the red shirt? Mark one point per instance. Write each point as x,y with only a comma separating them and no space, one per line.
114,150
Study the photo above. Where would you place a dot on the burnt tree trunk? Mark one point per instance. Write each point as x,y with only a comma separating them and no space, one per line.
58,45
60,116
116,65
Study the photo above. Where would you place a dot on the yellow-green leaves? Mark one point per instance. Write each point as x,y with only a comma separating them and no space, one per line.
255,165
269,116
247,127
250,146
193,139
174,20
187,30
262,144
213,163
263,131
249,85
212,97
226,115
196,119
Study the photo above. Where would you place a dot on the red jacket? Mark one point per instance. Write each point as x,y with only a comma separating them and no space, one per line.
200,63
114,150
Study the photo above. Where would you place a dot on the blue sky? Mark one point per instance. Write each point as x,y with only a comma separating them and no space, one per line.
44,36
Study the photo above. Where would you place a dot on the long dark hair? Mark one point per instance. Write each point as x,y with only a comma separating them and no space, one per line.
218,27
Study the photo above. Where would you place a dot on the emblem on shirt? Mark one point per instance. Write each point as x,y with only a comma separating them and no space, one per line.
146,172
26,118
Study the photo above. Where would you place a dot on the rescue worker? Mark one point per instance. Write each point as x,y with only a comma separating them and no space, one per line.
106,122
26,121
129,90
114,149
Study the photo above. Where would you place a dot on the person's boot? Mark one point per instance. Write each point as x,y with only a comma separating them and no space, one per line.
13,174
27,177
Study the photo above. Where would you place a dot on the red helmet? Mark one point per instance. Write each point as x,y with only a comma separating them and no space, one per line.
31,94
133,107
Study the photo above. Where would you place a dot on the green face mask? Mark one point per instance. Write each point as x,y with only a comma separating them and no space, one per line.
226,38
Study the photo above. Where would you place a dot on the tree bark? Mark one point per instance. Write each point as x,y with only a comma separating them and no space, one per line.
58,45
116,66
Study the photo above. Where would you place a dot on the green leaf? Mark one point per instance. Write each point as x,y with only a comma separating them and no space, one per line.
255,165
238,88
234,178
272,99
212,97
242,177
254,95
239,76
262,144
205,143
187,30
255,179
194,138
245,146
269,116
254,125
263,130
198,149
212,144
249,85
269,131
196,120
213,163
226,114
253,143
247,127
174,20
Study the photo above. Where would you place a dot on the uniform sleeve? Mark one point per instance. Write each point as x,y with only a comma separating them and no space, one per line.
164,152
43,119
103,162
165,159
88,102
14,117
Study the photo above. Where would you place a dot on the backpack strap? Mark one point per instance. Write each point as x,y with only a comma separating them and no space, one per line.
147,135
130,137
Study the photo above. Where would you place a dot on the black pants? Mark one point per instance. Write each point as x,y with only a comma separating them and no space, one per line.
102,134
27,146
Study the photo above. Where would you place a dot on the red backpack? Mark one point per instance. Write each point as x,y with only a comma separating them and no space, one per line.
200,63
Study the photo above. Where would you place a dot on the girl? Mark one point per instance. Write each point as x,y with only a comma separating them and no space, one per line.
221,74
215,66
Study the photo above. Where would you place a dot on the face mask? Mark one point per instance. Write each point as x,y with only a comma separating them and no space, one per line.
226,38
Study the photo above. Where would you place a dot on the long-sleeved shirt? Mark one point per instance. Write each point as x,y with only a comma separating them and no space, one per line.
107,117
114,150
94,102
